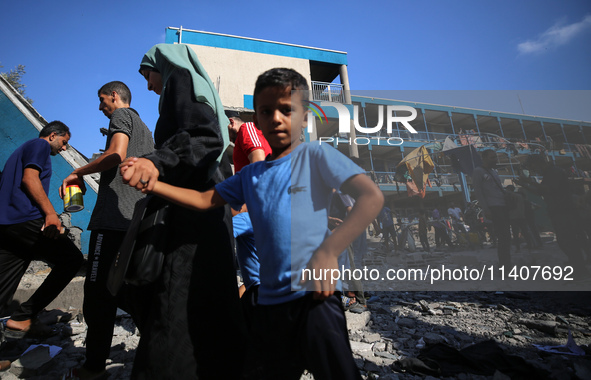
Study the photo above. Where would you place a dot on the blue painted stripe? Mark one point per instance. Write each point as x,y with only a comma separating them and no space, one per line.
249,102
256,46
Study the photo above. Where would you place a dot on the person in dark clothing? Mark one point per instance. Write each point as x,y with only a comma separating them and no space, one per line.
561,208
584,207
530,219
111,217
179,339
441,235
299,322
30,228
491,197
517,219
424,227
386,227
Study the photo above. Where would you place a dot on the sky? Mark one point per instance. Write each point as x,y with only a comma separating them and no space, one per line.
520,49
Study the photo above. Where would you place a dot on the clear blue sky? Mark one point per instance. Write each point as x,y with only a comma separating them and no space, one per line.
71,48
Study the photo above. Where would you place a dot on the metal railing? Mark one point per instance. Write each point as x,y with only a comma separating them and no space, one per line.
329,92
440,179
479,141
513,148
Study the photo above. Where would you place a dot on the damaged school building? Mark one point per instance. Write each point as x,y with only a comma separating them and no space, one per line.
448,136
520,334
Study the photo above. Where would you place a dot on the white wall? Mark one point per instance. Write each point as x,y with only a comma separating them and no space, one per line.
237,70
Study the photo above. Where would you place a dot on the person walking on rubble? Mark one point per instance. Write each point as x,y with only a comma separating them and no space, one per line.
181,339
385,224
530,218
441,235
299,324
562,210
424,228
491,197
457,218
30,228
111,217
517,219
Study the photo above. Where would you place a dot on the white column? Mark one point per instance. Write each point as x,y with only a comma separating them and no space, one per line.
353,151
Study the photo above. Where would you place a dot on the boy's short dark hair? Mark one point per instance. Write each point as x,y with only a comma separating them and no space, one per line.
119,87
55,126
281,77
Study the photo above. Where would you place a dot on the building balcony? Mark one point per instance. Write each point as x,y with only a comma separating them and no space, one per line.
328,92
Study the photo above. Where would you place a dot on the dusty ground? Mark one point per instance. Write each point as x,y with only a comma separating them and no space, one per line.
398,325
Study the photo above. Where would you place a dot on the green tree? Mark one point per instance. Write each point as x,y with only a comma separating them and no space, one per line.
14,77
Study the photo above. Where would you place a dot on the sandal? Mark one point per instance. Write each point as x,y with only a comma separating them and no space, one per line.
5,364
35,331
348,302
82,373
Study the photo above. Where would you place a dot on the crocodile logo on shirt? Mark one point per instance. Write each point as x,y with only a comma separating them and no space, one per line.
295,189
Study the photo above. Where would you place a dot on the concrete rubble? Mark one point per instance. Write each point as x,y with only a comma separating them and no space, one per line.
70,337
397,325
32,362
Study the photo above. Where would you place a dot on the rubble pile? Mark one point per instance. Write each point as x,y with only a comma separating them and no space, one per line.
397,326
69,340
481,334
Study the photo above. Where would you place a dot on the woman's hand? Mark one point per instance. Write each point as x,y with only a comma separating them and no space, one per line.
139,173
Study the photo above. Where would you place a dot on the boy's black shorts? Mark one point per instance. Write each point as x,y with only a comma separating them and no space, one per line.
304,334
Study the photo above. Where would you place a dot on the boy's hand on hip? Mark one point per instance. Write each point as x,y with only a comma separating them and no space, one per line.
324,266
